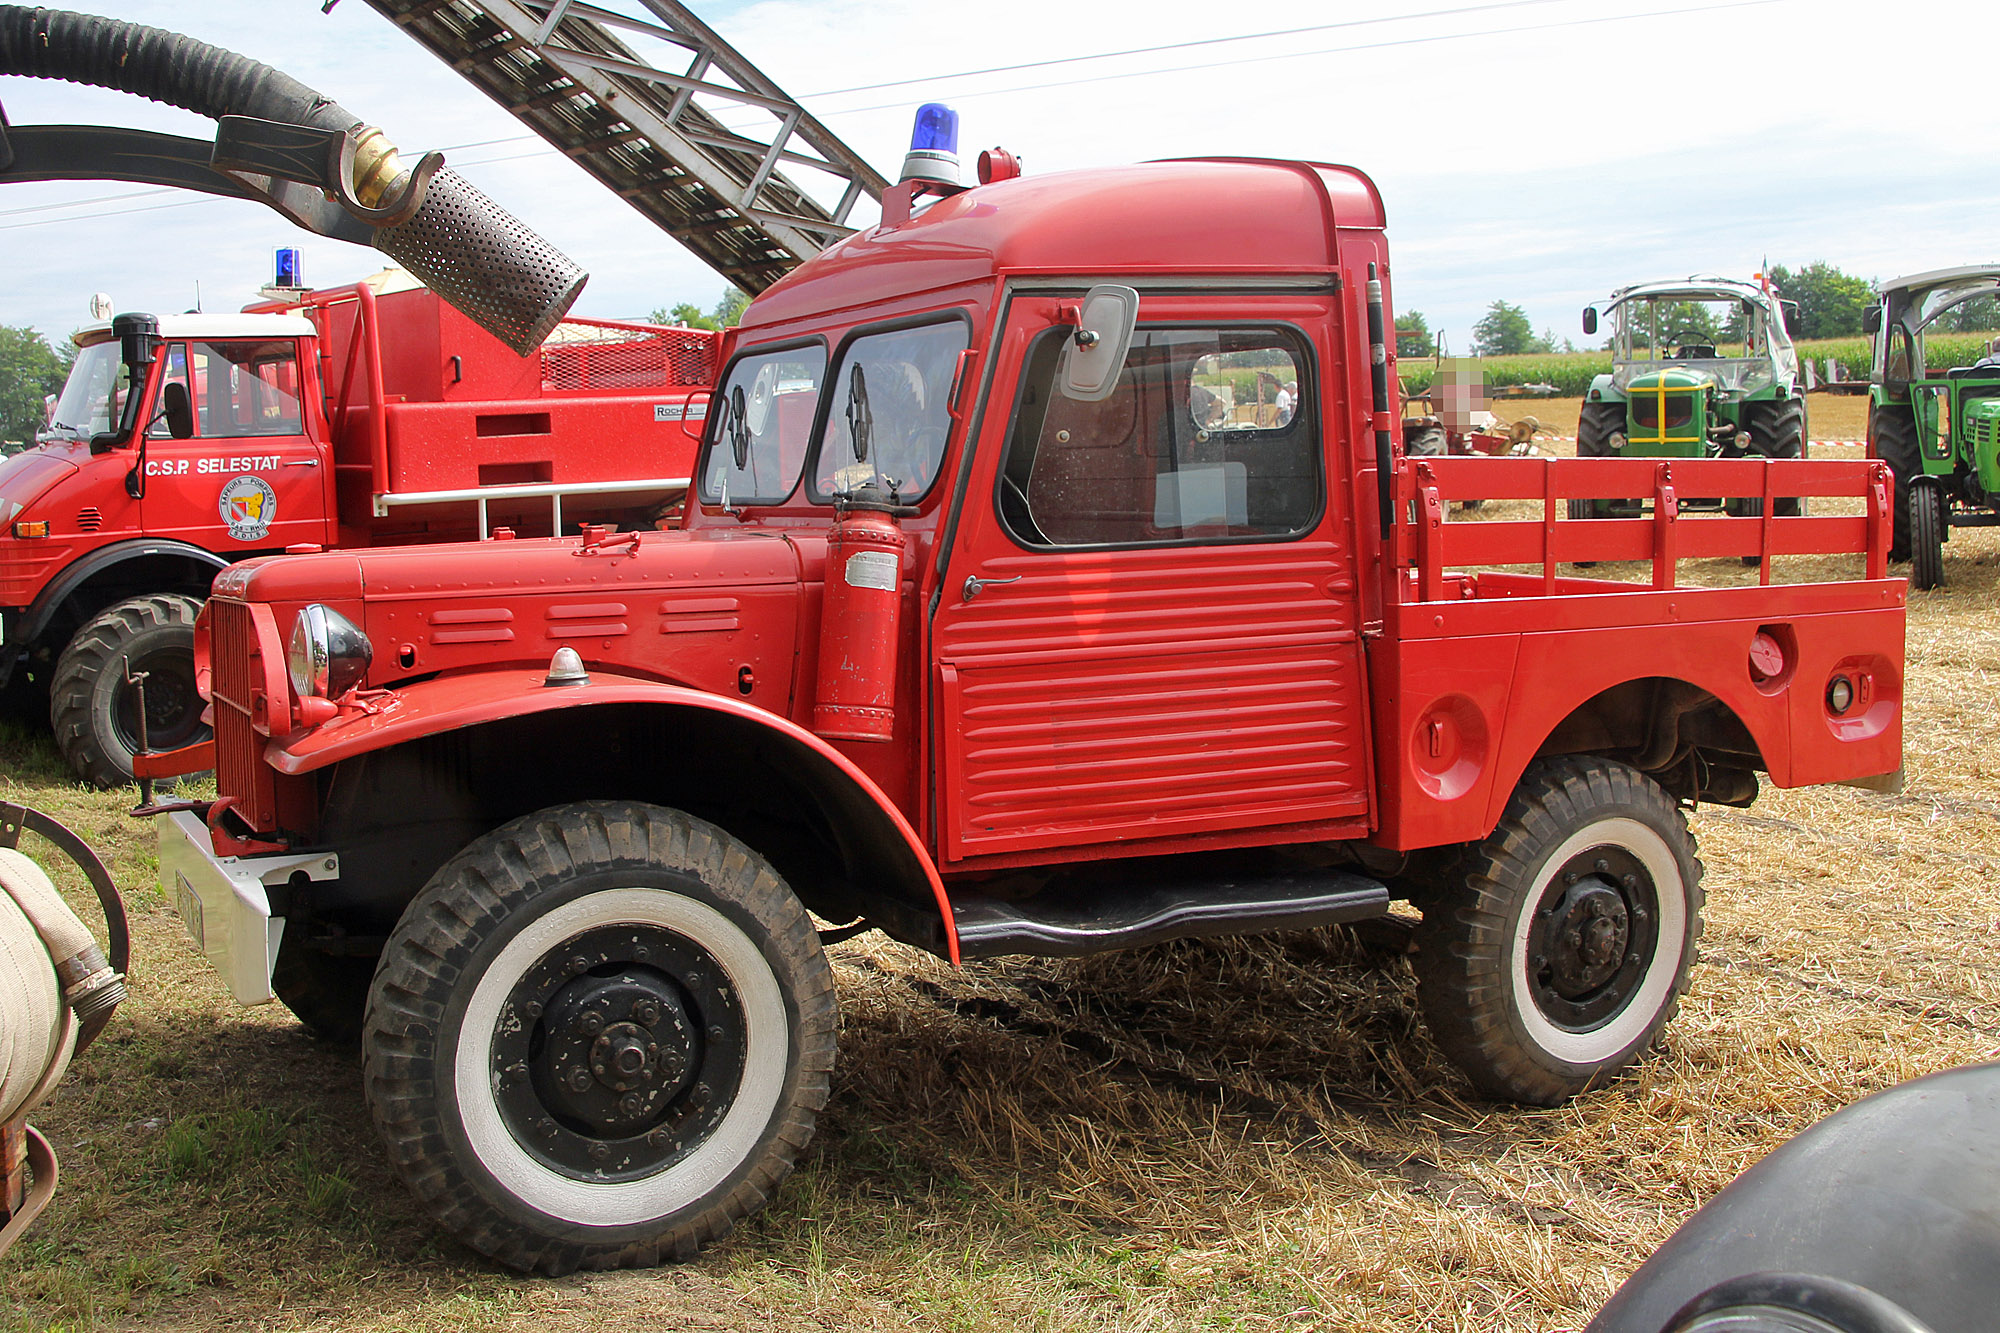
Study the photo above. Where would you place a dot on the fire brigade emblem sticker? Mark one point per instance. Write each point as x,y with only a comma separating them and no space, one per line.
248,507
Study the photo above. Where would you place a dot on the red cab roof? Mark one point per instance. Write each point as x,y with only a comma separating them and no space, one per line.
1217,216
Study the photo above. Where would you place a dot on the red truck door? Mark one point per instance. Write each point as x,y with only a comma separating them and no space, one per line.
250,478
1148,625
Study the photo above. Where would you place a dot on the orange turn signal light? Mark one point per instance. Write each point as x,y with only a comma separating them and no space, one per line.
38,528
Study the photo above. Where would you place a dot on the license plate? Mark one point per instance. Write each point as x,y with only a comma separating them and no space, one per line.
188,902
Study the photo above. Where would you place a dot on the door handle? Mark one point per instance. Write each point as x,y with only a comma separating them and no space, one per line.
973,584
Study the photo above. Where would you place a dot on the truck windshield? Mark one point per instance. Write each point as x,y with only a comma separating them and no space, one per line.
890,419
94,394
760,425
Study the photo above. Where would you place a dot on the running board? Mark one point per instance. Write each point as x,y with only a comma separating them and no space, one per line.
1097,918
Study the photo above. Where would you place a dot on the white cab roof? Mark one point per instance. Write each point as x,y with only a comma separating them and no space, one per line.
209,327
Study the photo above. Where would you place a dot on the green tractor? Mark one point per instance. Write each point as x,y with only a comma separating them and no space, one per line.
1938,432
1701,368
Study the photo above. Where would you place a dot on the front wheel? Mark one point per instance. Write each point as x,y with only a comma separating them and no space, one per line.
599,1037
95,714
1560,955
1927,505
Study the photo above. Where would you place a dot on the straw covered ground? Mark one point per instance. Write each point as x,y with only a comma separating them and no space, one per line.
1247,1134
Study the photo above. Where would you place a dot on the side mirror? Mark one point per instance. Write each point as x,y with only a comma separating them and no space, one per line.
1096,354
1590,319
1871,320
178,408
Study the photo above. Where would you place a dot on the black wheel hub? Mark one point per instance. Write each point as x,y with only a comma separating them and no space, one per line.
173,705
1593,937
618,1053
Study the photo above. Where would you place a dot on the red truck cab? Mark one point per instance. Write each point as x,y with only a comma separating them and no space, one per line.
1015,613
343,418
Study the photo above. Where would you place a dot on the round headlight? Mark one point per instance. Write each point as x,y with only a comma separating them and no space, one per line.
327,655
1839,695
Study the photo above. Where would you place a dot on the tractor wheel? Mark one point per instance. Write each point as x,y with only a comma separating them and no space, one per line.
1778,430
1425,442
599,1037
1595,426
1892,428
1562,952
326,992
95,714
1927,531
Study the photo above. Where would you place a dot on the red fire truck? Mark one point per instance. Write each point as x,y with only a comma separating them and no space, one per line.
998,623
343,419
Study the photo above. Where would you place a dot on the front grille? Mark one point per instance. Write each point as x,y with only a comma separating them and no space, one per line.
1646,411
232,655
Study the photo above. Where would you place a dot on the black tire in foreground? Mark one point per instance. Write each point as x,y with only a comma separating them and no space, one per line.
1561,955
1893,430
599,1037
1927,532
95,714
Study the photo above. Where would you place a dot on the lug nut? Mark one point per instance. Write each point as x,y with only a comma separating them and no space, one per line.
599,1151
546,1128
631,1104
1603,866
579,1079
578,964
533,1009
590,1022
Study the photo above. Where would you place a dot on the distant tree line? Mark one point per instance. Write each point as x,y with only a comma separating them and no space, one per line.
30,370
725,315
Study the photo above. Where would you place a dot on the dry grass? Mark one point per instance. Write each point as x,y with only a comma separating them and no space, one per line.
1252,1134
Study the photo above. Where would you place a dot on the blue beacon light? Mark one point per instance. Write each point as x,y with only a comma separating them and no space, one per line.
933,155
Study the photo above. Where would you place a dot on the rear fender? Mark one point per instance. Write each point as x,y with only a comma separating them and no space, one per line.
890,848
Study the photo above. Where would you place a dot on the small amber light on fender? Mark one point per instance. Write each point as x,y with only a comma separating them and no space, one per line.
38,528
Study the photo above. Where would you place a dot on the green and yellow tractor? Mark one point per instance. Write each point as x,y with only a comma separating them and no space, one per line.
1701,368
1939,431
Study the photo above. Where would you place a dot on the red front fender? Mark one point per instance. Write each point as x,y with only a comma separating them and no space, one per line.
412,712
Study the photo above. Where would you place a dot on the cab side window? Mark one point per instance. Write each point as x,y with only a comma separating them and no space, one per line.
243,388
1210,434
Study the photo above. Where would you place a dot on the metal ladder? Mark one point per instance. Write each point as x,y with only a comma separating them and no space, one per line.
562,69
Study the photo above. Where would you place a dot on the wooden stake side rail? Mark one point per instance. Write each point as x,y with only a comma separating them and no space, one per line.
1438,543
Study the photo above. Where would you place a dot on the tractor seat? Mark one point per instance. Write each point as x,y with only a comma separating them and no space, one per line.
1695,352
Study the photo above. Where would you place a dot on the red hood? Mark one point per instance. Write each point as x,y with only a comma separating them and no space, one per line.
25,476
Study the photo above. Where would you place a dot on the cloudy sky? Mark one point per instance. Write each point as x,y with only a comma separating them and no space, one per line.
1538,151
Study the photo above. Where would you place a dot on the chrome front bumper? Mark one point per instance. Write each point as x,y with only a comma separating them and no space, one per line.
225,901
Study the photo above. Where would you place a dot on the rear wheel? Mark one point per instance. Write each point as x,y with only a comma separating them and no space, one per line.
599,1037
1893,431
1561,954
1927,520
95,714
1425,442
